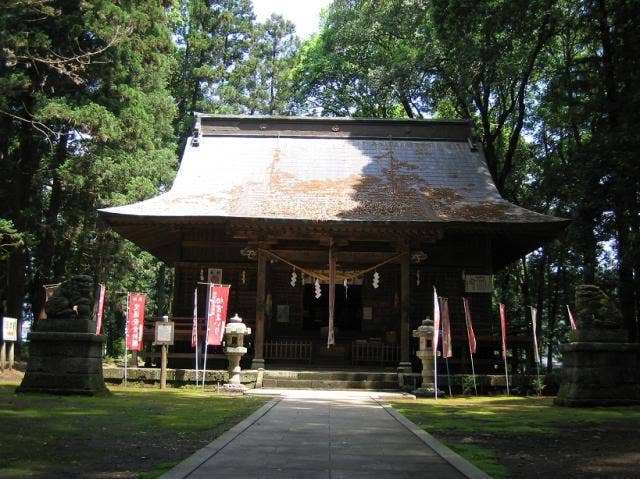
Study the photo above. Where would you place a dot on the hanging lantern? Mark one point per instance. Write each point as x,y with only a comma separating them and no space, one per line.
376,280
294,278
318,290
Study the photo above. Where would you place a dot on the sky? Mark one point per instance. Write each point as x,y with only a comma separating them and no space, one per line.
305,14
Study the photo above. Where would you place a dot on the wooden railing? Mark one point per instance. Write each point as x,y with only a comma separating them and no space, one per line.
373,352
288,349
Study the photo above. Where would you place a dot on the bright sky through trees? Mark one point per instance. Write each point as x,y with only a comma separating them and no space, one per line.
305,14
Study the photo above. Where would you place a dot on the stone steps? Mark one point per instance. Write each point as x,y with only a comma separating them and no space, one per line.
330,380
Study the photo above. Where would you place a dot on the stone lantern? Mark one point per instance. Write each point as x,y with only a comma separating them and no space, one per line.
234,349
425,353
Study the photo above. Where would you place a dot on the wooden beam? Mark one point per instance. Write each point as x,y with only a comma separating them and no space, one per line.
261,289
405,298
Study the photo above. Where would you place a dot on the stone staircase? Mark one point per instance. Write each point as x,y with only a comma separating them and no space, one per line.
375,380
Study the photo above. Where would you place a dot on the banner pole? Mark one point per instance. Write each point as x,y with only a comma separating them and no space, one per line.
506,374
197,368
195,318
446,362
206,336
473,372
126,342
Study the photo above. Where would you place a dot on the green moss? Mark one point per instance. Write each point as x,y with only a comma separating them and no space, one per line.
503,416
128,430
484,459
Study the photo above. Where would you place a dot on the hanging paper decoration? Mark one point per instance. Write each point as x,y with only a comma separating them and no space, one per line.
318,290
418,278
294,277
376,280
244,277
201,274
346,287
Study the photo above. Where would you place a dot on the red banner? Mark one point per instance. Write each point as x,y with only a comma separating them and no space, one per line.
100,310
467,318
216,313
447,349
194,327
135,321
503,328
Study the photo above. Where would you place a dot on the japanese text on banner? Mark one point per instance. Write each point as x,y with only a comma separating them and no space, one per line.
135,321
216,313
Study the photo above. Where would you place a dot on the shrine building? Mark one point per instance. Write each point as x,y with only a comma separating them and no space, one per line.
401,206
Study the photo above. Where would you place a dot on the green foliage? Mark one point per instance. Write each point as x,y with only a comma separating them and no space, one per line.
229,63
10,238
467,382
88,124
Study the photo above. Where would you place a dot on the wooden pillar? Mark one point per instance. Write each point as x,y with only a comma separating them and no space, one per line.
405,334
261,299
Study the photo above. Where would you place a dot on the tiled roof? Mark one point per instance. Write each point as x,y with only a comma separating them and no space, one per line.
333,176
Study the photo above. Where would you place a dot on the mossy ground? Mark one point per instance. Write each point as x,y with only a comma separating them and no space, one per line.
530,437
133,432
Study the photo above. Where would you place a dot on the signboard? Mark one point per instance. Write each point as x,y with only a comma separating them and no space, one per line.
478,283
217,299
282,315
164,333
214,275
135,321
9,329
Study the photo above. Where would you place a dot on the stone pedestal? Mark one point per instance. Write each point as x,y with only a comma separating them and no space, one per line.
234,369
234,349
425,354
428,383
599,373
64,358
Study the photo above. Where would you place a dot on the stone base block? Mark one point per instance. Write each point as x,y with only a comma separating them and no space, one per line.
599,374
64,363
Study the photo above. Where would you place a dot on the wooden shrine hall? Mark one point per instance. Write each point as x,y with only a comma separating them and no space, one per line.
261,203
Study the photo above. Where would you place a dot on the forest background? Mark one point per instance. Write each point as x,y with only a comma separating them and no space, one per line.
97,99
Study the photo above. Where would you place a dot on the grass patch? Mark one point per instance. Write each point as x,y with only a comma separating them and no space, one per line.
504,416
129,433
485,459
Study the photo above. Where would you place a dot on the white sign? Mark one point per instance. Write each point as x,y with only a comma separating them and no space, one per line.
9,329
478,283
164,332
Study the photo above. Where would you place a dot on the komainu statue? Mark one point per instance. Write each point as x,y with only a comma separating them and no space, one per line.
72,299
595,310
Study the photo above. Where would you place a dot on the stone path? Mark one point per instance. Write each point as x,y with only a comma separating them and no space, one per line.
324,435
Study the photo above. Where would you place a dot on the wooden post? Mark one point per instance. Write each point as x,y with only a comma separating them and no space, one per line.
261,299
11,346
405,334
3,352
163,360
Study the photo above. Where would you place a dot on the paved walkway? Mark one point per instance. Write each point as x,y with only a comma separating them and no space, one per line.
315,434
